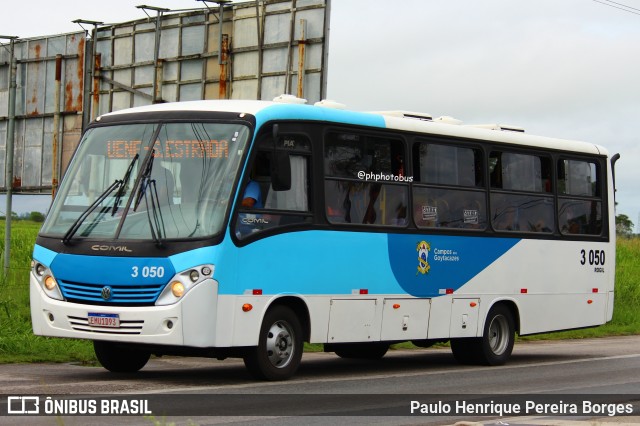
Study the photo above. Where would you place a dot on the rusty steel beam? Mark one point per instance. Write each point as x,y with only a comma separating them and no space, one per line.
56,127
224,57
157,82
301,53
95,102
9,150
127,88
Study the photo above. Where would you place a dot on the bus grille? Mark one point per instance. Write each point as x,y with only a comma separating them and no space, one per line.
126,327
119,294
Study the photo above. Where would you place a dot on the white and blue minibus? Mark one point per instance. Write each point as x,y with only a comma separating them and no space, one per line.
363,230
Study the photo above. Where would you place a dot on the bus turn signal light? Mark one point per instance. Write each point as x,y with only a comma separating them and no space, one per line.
247,307
396,306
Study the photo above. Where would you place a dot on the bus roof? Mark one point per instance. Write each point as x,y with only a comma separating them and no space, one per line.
420,123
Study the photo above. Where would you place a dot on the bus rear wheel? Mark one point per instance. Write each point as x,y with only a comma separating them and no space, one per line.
118,358
495,345
280,345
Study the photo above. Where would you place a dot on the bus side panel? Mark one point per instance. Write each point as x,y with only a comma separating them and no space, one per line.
541,313
555,285
405,319
364,266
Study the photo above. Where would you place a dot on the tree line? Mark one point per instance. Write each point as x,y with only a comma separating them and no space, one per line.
33,216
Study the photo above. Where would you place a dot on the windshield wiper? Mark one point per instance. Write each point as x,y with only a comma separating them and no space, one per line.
148,188
78,222
157,221
123,187
146,177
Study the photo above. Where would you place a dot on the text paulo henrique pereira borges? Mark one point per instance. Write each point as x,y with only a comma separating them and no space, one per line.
521,408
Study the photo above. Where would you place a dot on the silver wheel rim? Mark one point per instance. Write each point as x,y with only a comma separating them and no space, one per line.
499,334
280,349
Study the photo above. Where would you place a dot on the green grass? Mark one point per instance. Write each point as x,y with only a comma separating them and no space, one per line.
18,344
17,341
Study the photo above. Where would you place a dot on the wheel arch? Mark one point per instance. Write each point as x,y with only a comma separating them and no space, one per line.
512,306
300,308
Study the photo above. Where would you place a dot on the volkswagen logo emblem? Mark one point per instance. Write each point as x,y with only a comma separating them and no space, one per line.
106,293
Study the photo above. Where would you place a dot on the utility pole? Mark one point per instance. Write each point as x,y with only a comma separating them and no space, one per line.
9,151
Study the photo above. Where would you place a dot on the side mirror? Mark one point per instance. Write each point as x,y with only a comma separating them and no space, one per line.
280,171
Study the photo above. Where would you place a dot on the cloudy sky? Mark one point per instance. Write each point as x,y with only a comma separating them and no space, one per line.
568,69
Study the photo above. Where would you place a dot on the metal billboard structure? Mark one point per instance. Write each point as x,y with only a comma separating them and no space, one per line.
253,50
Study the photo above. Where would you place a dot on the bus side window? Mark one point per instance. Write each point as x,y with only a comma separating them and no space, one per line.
521,199
296,198
365,180
263,207
579,199
449,192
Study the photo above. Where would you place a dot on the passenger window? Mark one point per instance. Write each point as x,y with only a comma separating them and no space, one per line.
449,165
522,213
520,172
578,178
521,197
579,198
462,205
365,181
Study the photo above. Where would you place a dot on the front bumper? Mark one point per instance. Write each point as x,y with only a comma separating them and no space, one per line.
189,322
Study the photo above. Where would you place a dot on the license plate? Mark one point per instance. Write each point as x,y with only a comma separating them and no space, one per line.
104,320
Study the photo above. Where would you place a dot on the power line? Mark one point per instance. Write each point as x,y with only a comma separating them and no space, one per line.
624,7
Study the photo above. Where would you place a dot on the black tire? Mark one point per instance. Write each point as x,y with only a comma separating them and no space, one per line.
118,358
495,345
370,351
280,346
498,336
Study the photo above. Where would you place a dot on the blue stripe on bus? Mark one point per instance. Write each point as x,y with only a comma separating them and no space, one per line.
430,265
307,112
189,259
342,263
307,262
107,270
44,255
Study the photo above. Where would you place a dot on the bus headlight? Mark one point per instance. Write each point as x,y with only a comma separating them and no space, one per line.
50,283
46,280
177,289
182,282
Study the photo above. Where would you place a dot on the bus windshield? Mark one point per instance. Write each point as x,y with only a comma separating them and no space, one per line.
149,181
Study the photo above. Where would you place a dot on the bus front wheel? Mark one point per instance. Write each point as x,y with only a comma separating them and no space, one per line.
118,358
279,350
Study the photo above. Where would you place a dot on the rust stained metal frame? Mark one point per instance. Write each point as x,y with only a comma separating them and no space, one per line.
191,62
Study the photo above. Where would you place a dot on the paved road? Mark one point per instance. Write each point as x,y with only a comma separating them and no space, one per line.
579,367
